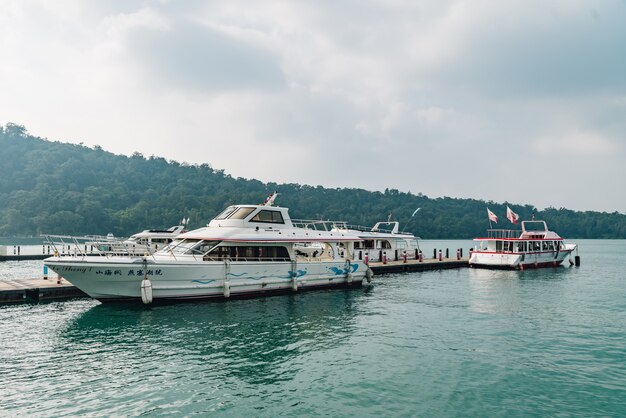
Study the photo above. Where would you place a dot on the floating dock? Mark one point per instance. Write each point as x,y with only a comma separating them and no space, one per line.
36,290
414,265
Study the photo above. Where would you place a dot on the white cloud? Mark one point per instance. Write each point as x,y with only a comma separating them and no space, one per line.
586,144
420,96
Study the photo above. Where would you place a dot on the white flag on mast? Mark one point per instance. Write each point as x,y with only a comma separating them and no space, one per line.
511,216
492,216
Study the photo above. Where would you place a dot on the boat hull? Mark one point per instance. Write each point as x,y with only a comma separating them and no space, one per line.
518,261
120,278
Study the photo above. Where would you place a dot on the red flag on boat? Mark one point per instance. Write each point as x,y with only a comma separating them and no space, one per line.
492,216
269,201
511,216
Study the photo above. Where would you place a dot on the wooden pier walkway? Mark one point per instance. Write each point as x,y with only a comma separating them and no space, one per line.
35,290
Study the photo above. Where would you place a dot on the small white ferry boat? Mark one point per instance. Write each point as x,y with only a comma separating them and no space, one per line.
147,241
382,241
533,247
245,250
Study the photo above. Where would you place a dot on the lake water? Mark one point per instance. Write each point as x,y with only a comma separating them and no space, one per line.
465,342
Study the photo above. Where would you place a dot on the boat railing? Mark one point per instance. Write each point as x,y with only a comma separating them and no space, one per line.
90,245
319,225
503,233
316,225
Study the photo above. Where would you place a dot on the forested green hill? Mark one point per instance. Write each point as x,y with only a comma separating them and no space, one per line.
58,188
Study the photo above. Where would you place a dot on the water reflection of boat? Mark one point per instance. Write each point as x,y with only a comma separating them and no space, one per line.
245,250
253,340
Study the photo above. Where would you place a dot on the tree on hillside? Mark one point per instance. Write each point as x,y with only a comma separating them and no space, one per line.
53,187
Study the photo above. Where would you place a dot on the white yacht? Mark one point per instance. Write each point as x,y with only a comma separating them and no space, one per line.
382,241
151,240
532,247
385,241
245,250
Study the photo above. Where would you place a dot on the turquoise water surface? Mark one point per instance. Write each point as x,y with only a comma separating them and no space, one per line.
465,342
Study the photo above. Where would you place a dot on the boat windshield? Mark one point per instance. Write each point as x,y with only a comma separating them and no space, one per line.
228,211
241,213
190,246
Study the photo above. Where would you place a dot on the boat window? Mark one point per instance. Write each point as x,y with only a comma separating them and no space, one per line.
498,246
229,210
241,213
385,245
268,216
205,247
248,253
190,246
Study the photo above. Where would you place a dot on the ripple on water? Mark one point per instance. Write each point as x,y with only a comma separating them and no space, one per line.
464,342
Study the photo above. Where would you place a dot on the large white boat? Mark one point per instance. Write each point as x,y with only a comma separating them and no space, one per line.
382,241
532,247
245,250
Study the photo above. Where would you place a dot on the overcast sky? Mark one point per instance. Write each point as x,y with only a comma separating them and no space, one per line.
518,101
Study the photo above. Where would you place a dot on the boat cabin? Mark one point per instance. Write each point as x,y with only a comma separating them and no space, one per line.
535,237
253,216
260,233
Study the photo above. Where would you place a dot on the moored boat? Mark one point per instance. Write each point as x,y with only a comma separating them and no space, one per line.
534,246
145,242
245,250
382,241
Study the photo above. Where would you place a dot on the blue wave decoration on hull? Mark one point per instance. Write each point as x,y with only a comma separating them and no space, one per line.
202,281
339,271
237,275
298,273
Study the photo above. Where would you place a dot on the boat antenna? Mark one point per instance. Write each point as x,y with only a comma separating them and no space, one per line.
412,216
